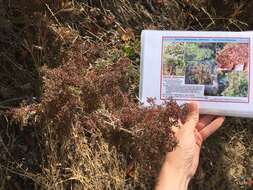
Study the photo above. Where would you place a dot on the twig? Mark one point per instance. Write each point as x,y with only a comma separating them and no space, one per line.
120,128
4,107
50,10
11,100
5,147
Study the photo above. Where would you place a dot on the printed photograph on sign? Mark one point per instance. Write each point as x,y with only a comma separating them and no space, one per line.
220,66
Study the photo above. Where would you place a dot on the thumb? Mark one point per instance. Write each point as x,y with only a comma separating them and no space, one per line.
192,117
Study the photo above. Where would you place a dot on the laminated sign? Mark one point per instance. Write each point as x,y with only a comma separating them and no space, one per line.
213,68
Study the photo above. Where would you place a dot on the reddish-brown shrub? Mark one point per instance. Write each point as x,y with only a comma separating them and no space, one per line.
232,55
98,102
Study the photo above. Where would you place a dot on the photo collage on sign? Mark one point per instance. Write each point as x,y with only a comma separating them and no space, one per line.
221,67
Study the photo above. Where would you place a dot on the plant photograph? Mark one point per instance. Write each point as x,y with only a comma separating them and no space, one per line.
221,67
173,59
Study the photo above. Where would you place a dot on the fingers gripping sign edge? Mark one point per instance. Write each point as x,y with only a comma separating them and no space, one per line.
192,117
212,127
204,120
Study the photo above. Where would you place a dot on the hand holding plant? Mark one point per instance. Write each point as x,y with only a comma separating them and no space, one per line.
181,164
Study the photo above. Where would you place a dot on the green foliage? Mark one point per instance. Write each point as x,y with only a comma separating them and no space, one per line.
174,56
193,52
238,85
129,51
174,51
180,54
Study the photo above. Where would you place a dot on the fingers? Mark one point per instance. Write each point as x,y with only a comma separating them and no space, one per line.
212,127
192,117
195,162
204,120
198,138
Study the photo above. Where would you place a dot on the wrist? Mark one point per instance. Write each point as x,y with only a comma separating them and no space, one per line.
183,167
172,178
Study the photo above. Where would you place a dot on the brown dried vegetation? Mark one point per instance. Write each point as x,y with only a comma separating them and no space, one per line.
69,114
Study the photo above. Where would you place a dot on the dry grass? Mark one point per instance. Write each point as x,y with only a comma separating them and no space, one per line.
69,116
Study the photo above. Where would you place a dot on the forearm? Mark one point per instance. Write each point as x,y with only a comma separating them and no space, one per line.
172,179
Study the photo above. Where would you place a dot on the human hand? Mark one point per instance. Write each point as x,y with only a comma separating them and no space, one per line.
181,164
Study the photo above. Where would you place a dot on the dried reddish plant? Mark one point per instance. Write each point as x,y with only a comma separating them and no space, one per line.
98,103
233,55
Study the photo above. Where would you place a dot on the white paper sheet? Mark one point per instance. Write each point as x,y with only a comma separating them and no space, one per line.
213,68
